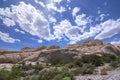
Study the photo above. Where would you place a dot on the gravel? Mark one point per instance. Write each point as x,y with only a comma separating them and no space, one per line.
113,75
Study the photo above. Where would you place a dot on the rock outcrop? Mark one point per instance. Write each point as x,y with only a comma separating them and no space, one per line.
43,54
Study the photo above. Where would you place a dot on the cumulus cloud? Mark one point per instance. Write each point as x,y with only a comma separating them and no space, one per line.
73,34
51,6
75,11
5,37
29,19
61,29
82,20
65,30
110,28
17,30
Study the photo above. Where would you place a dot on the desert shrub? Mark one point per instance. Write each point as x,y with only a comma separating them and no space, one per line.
38,67
4,75
107,58
35,77
64,75
92,59
86,69
67,74
15,72
78,62
67,78
54,74
103,71
48,74
26,78
70,65
58,77
26,67
116,62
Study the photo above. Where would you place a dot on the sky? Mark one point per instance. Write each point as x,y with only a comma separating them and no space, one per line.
35,23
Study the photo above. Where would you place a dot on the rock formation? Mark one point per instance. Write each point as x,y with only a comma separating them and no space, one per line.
43,54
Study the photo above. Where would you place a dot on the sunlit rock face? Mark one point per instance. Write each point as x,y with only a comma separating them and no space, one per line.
44,54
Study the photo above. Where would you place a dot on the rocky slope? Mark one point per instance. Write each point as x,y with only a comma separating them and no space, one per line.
42,54
71,52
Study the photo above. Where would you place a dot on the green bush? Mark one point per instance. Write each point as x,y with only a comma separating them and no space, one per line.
64,75
35,77
86,69
92,59
4,75
70,65
26,78
54,74
58,77
38,67
78,62
116,62
107,58
48,74
67,78
15,73
26,67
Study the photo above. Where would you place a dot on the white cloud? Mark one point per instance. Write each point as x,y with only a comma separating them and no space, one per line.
73,34
104,30
75,11
52,6
65,30
6,38
29,19
82,20
17,30
61,29
68,1
110,28
8,22
40,41
115,42
101,17
52,19
40,3
57,1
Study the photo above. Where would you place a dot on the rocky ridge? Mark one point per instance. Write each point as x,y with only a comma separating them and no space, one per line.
74,50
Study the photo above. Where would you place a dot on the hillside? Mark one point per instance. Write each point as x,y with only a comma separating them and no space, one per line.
89,57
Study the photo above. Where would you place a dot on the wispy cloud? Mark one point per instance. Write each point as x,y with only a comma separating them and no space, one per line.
5,37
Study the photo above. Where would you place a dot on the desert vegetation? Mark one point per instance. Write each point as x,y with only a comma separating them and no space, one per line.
61,68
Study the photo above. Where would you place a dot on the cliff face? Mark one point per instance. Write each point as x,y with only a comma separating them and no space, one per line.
43,54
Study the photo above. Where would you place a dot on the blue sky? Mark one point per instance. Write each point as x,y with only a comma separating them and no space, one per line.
36,23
